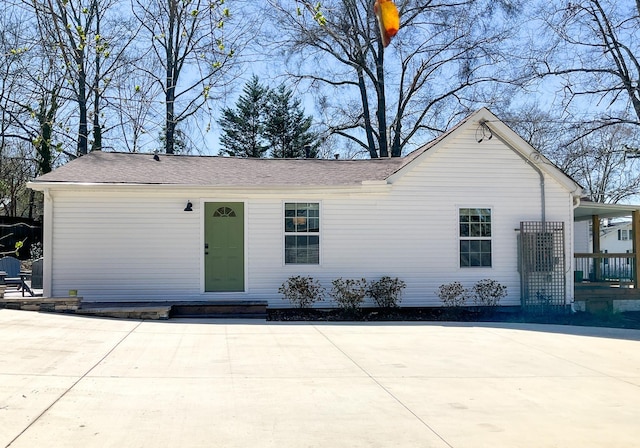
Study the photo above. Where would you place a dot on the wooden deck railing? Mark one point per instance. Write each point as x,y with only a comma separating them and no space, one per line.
605,267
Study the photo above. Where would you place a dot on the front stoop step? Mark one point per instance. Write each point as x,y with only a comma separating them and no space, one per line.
246,309
122,311
164,310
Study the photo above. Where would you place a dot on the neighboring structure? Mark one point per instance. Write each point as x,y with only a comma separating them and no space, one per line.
606,259
616,236
476,203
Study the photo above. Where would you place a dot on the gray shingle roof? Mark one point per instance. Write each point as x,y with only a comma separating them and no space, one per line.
215,171
135,168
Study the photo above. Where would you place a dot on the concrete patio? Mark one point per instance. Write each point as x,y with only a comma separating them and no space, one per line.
72,381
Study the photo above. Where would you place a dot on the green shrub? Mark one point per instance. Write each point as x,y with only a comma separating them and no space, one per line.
386,292
453,294
488,292
301,292
349,294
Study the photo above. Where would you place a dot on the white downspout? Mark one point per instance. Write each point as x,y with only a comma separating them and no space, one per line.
47,245
571,240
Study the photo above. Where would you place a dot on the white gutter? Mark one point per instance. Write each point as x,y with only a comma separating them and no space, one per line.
362,187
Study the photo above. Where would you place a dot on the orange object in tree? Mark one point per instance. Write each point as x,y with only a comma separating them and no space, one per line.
388,19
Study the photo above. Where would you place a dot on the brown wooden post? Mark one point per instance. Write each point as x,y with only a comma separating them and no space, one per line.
595,234
635,231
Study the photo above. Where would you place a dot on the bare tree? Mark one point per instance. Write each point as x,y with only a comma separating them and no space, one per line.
435,69
137,108
91,38
11,46
194,43
605,161
592,52
16,170
601,163
29,99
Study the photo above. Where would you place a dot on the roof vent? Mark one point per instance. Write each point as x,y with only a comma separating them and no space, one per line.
156,157
337,156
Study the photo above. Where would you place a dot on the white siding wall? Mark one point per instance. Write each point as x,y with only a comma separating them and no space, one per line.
582,237
141,245
468,174
124,246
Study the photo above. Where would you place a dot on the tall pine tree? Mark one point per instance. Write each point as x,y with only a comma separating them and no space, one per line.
287,127
266,119
243,127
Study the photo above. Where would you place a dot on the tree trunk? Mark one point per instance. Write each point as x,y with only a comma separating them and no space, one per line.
170,124
373,153
170,96
45,118
396,149
83,131
382,103
32,200
97,130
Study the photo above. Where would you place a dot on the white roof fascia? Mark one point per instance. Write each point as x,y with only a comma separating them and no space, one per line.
363,187
587,209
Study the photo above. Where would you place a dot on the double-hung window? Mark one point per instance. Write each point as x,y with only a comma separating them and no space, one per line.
302,233
475,237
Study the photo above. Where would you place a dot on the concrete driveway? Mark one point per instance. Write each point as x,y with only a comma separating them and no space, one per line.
68,381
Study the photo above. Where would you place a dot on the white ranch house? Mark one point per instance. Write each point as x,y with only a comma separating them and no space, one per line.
476,203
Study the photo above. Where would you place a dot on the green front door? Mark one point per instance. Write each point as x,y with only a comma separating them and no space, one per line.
224,246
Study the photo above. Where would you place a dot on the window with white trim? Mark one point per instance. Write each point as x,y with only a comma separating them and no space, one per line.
302,233
624,235
474,227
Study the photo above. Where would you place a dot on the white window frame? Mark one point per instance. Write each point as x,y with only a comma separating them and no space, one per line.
286,233
461,238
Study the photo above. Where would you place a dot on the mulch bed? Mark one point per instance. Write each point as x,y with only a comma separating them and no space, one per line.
614,320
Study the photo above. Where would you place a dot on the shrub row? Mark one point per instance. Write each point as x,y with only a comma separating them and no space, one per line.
348,294
486,292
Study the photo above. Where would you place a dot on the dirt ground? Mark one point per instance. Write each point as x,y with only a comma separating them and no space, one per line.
614,320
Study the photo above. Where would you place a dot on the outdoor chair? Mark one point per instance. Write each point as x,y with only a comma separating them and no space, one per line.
11,266
34,280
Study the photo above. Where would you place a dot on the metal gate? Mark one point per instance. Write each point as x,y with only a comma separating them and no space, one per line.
542,267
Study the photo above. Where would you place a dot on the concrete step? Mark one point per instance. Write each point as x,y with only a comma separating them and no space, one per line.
178,309
230,309
151,312
52,304
246,309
